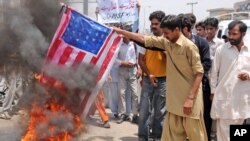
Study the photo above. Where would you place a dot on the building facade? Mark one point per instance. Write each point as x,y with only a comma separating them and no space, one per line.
242,6
220,11
240,11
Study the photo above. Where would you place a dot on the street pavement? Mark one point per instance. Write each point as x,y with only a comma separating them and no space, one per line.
10,130
118,132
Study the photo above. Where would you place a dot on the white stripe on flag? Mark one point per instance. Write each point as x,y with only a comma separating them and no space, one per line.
103,78
72,56
106,50
87,58
63,19
58,53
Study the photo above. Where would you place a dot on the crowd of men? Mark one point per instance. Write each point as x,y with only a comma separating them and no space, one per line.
193,84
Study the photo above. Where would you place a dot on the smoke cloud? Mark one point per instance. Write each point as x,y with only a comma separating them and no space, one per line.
26,32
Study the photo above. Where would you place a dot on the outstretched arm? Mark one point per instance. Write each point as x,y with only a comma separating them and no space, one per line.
131,35
147,40
149,48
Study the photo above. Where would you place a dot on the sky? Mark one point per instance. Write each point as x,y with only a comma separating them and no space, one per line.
169,7
180,6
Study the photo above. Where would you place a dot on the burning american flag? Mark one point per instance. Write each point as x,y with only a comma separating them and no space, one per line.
78,40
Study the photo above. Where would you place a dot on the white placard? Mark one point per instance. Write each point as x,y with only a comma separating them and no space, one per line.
116,11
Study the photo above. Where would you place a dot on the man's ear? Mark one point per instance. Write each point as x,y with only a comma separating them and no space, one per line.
177,29
185,29
243,34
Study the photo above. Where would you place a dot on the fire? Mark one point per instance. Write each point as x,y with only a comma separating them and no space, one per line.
47,122
38,117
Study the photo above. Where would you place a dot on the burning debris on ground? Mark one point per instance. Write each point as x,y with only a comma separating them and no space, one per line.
51,99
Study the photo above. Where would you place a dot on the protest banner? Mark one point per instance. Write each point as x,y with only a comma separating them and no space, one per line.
117,11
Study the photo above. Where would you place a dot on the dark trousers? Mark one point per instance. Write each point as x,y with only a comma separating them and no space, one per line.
207,109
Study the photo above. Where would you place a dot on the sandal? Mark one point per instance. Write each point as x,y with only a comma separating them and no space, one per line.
5,116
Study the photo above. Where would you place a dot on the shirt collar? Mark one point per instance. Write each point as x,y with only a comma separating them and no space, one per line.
180,40
193,38
246,45
214,40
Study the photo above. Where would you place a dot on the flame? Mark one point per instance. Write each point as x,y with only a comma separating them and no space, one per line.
39,116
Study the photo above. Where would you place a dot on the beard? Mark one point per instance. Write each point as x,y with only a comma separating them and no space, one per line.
236,42
154,31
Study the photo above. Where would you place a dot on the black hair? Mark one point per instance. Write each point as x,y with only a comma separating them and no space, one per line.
171,22
211,22
192,18
201,24
242,25
180,16
185,22
224,37
126,27
159,15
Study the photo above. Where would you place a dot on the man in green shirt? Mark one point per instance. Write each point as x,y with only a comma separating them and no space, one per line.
184,94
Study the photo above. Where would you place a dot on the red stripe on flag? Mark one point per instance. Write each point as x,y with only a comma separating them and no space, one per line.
108,57
79,58
65,56
95,59
84,101
53,49
66,22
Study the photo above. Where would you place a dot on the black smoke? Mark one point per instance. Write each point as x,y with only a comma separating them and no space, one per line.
26,31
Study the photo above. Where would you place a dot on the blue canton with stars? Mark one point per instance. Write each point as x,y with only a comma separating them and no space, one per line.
85,34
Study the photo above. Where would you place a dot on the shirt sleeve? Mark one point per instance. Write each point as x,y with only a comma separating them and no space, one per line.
141,50
205,55
131,57
154,41
118,60
194,59
149,48
215,70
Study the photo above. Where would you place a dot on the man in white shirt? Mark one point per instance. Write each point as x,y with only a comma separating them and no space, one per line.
127,79
112,90
211,28
230,81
